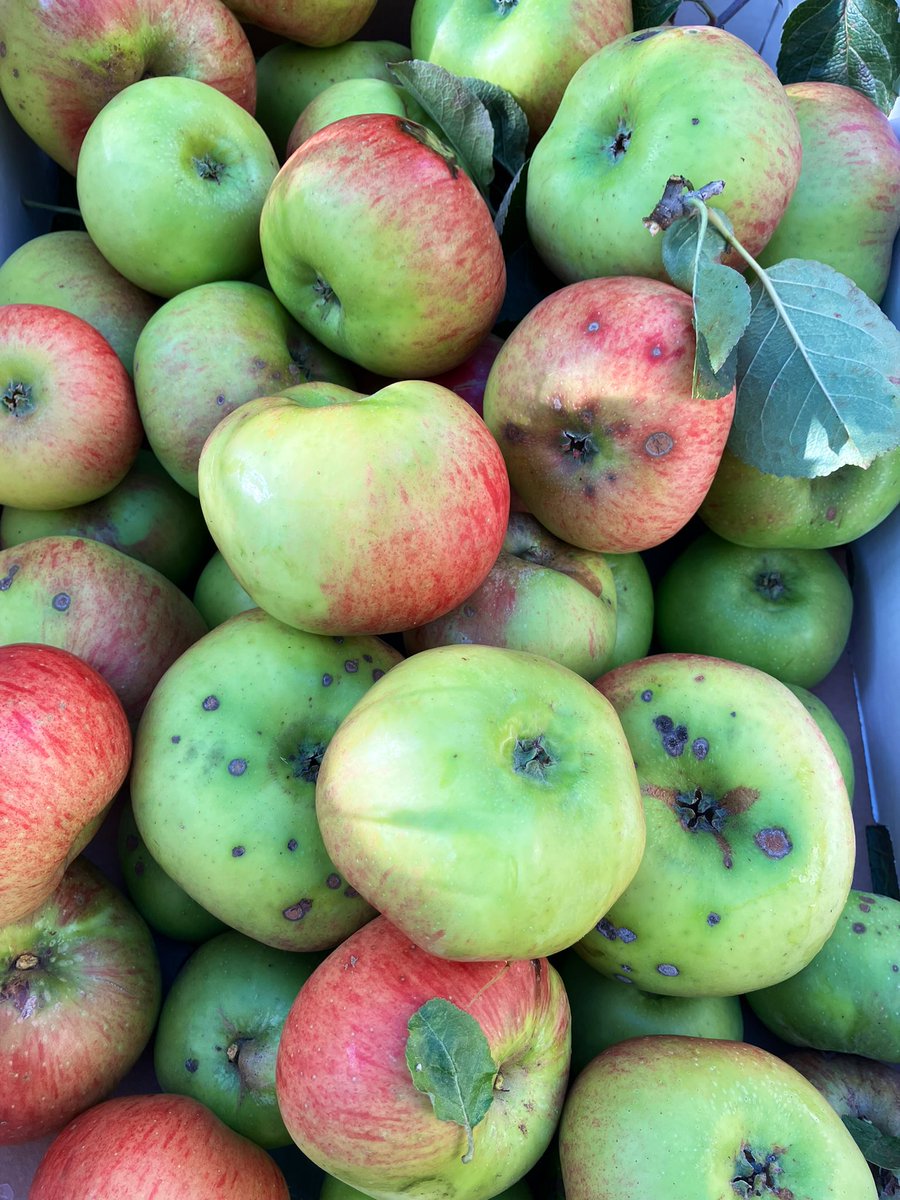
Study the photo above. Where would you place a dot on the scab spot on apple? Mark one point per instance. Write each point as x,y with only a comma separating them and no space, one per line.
333,881
774,842
593,326
327,680
713,918
351,666
377,673
237,766
647,696
858,927
606,928
191,1065
7,581
175,739
238,851
695,120
700,748
623,979
61,601
668,969
210,704
296,912
659,444
645,34
292,845
350,892
865,908
673,737
220,399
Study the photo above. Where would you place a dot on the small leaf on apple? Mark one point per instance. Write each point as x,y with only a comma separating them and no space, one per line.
449,1060
880,1149
853,42
817,374
509,122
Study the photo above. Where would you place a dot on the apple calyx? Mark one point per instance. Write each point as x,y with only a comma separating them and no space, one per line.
306,760
619,144
17,399
210,168
771,585
325,292
756,1176
581,446
701,812
505,7
531,757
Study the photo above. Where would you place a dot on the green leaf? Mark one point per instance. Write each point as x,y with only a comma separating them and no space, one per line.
818,375
509,121
880,1149
854,42
510,221
450,1060
458,113
650,13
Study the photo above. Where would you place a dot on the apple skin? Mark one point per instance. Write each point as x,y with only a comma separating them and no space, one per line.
834,734
313,23
590,401
371,209
531,50
606,1011
694,101
786,612
848,997
371,1127
65,269
540,595
750,839
634,608
151,1138
352,98
171,180
54,98
79,996
333,1189
845,136
147,516
412,466
503,764
66,750
752,508
209,350
218,595
707,1105
122,617
69,424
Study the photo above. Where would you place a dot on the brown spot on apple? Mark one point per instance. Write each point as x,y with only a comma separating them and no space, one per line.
659,444
774,842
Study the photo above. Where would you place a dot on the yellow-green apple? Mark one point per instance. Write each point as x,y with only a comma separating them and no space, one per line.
590,401
634,608
342,513
848,997
350,1026
752,508
334,1189
787,612
79,997
834,733
694,101
66,749
738,1121
351,98
845,210
219,1029
173,1145
310,22
63,62
380,245
147,515
463,795
69,424
66,270
540,595
218,595
171,180
750,840
288,77
207,351
122,617
223,783
531,50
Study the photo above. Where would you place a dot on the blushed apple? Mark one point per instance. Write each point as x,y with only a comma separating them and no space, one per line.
312,23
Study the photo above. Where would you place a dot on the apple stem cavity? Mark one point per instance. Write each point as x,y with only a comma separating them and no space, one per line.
17,399
531,757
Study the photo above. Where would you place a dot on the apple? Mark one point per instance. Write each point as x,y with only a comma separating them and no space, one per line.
735,1119
219,1030
79,996
66,749
752,508
147,516
63,62
634,608
540,595
833,731
119,615
65,269
465,793
209,350
750,840
69,424
348,1029
223,782
845,137
590,401
343,514
174,1145
312,22
333,1189
380,245
847,998
171,179
470,377
785,611
289,76
695,101
531,50
218,595
351,98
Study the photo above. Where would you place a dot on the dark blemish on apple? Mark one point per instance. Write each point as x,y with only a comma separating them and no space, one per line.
858,927
292,844
367,658
647,33
176,738
220,399
238,852
2,49
647,696
333,881
865,908
659,444
700,748
351,666
593,326
338,639
606,928
522,1128
623,979
774,842
656,351
350,892
131,842
589,491
61,602
667,969
377,674
537,968
734,714
210,704
699,678
895,967
191,1064
296,912
626,935
469,610
673,737
513,433
695,120
713,918
327,680
237,766
830,513
7,580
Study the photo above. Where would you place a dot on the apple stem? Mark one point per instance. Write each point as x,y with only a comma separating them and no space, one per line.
470,1145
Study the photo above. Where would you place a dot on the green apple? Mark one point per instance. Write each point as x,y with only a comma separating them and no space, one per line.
218,595
334,1189
848,997
699,1119
834,734
171,179
846,208
750,839
634,608
786,612
753,508
694,101
219,1028
350,98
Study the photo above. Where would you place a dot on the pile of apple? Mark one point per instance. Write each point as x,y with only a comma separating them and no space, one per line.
324,584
